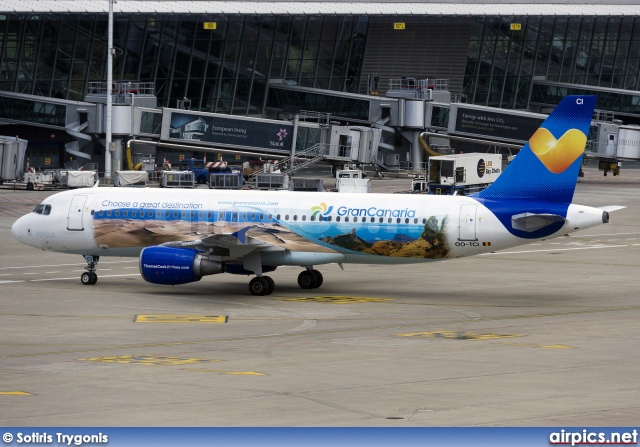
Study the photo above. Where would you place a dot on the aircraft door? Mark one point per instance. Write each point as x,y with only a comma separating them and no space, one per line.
75,216
468,223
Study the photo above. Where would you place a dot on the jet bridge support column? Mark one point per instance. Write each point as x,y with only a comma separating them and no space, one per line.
417,154
116,162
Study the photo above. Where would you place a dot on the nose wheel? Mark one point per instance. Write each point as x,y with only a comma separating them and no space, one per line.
90,277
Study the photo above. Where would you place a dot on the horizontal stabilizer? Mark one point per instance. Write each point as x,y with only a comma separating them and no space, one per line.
610,208
531,222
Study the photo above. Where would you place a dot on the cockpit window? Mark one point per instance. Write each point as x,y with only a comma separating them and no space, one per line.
43,209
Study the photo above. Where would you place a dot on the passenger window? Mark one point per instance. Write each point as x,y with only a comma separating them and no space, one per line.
295,217
346,219
398,220
134,214
269,216
92,212
373,219
278,217
199,215
304,217
355,219
329,218
117,213
193,215
406,220
381,220
109,213
286,217
312,218
175,214
415,221
338,219
125,213
208,215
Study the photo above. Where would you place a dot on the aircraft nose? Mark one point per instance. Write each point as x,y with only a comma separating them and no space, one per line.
15,229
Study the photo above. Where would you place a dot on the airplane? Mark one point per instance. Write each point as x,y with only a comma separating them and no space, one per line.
181,236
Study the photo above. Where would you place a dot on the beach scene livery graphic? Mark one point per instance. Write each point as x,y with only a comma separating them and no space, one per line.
388,232
557,155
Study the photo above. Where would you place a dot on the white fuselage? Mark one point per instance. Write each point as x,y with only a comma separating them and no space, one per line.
362,228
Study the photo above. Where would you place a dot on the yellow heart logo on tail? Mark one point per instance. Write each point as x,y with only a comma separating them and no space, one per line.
557,155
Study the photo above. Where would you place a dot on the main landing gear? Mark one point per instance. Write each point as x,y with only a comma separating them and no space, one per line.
264,285
261,285
90,277
310,279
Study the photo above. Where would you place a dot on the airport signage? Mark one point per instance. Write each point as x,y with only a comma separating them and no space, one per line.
209,25
516,26
234,132
496,125
399,25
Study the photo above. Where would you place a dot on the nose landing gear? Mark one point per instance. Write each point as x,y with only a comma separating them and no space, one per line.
90,277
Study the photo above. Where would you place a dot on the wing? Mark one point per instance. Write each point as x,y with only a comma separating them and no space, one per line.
227,245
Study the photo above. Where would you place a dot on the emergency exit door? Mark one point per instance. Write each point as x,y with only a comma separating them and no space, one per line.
468,223
76,211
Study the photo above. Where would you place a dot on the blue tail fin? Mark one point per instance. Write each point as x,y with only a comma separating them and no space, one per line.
546,168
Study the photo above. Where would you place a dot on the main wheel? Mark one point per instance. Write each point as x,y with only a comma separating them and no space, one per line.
202,180
87,278
272,285
258,286
319,278
307,279
94,278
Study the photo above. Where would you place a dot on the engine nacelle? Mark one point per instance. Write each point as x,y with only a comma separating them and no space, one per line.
168,265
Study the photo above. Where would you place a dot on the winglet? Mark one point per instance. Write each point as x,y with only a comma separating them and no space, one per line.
241,235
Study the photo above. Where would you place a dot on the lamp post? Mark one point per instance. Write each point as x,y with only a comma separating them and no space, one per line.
107,152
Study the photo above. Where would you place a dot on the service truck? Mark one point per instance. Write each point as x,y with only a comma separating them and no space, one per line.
462,174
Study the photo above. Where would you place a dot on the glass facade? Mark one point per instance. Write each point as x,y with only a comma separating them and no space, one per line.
506,54
226,68
223,70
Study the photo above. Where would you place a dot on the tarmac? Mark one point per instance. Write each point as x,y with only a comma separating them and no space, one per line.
546,334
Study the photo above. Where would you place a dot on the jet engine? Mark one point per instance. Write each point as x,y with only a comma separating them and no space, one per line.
168,265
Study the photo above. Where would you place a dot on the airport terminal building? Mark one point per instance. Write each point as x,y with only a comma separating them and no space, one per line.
256,58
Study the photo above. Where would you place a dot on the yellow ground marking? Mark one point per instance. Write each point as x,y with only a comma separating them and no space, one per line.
180,319
338,299
540,346
453,335
149,360
14,393
229,373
